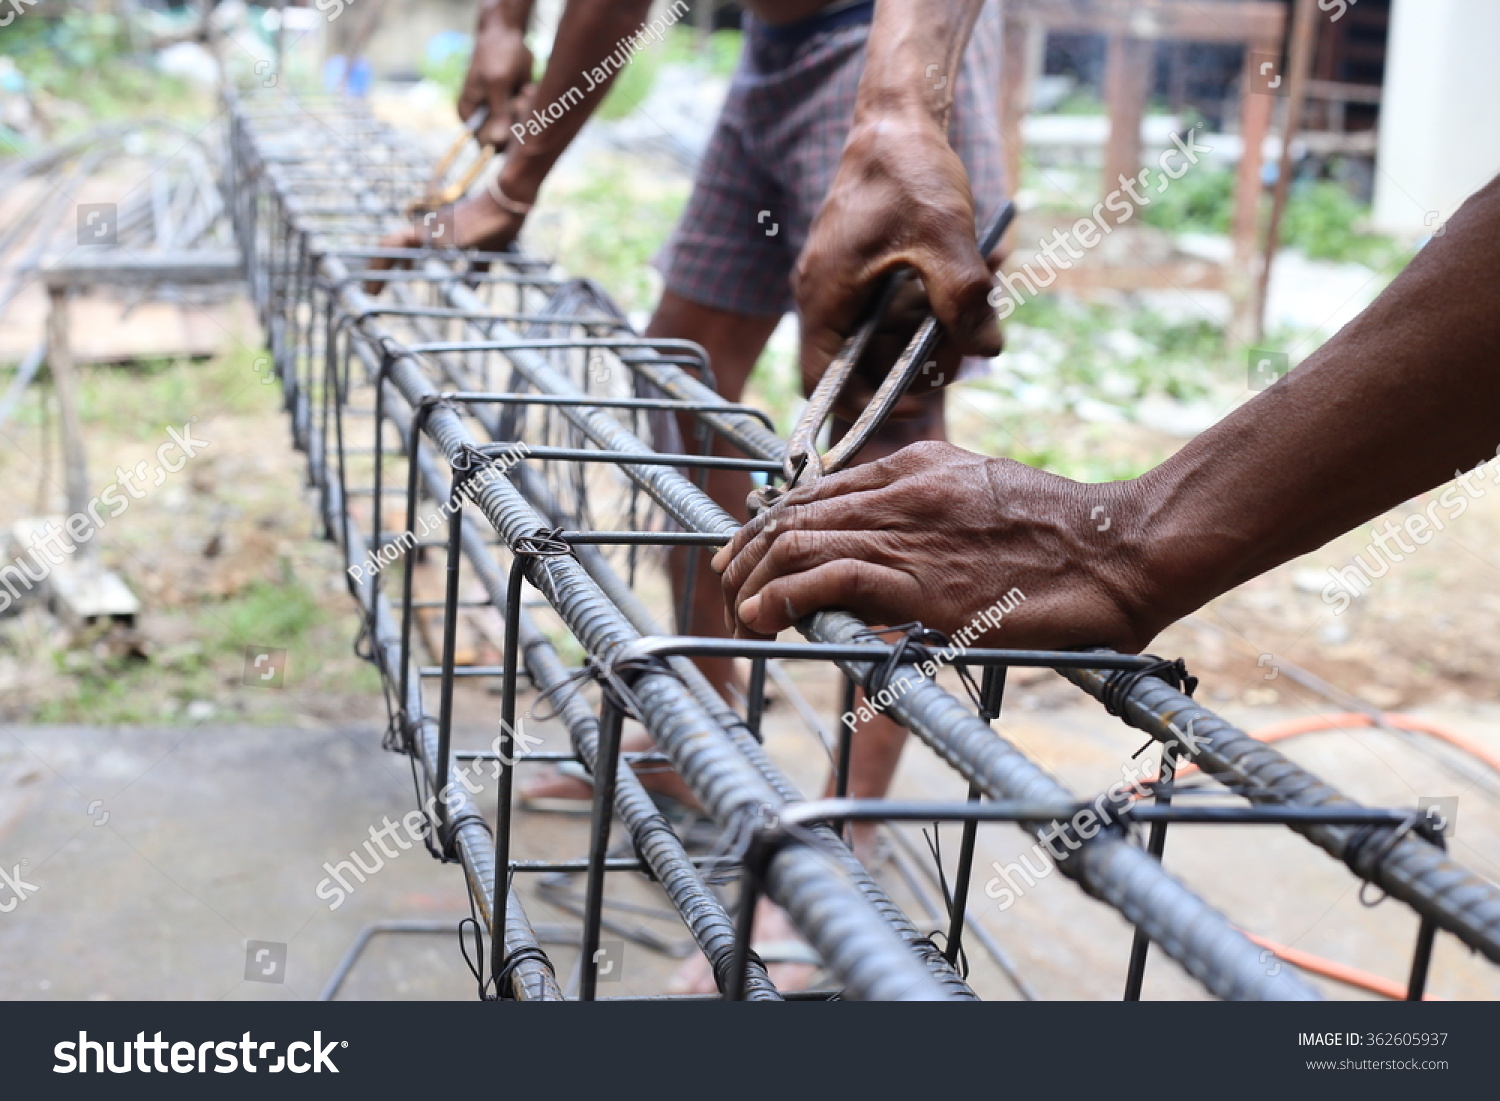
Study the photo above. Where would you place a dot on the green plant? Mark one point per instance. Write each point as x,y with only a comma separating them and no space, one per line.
617,219
680,47
1201,201
1325,221
447,71
85,57
1083,100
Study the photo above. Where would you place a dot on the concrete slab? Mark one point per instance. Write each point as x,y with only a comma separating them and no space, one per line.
158,855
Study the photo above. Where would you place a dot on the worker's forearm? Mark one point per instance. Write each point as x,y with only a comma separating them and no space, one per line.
1401,400
586,57
915,52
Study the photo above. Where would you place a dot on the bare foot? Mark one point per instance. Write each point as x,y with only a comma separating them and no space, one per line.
776,940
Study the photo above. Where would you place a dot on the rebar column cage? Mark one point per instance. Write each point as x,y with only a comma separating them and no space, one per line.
514,404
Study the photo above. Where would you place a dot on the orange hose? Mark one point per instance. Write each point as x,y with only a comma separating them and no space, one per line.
1311,724
1338,972
1276,732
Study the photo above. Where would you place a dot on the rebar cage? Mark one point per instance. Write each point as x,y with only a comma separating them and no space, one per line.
488,409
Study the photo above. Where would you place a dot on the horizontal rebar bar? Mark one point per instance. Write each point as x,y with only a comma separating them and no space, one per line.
1412,870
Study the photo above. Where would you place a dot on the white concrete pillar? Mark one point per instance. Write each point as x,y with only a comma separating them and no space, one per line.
1439,113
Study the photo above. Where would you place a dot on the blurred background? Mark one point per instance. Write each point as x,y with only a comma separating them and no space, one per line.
1337,145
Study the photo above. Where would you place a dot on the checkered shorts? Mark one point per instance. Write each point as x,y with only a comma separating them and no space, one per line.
773,154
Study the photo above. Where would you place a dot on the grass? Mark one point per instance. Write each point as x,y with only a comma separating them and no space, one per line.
286,614
680,47
1322,219
137,401
199,615
84,61
1063,356
616,221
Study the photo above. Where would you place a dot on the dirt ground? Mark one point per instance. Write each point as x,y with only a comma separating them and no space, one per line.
226,797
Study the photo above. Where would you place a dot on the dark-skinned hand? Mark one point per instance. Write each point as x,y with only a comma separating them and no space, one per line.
900,197
938,534
499,77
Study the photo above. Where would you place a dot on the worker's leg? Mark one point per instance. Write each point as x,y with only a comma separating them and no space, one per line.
877,743
733,343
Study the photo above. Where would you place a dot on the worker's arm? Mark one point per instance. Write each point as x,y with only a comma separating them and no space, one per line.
1402,399
587,55
900,194
500,69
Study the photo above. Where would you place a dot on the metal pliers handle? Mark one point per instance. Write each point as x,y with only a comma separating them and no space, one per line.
803,464
439,193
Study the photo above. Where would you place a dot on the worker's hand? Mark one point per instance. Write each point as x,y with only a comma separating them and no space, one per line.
478,223
907,311
938,534
900,196
500,78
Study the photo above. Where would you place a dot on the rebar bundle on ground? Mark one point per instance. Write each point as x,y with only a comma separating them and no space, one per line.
516,403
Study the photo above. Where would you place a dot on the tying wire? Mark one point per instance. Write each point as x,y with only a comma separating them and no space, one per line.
912,646
1120,683
934,845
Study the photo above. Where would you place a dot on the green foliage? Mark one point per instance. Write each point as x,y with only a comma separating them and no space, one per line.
631,87
1067,364
85,57
617,220
1201,201
286,614
1082,100
140,398
680,47
776,386
1321,218
279,615
1166,357
1325,222
447,72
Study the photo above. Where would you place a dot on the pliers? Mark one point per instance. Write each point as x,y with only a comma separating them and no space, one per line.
803,465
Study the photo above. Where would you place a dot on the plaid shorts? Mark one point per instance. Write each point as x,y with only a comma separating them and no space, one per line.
777,143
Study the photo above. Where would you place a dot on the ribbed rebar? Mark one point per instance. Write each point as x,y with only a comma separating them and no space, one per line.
1412,870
